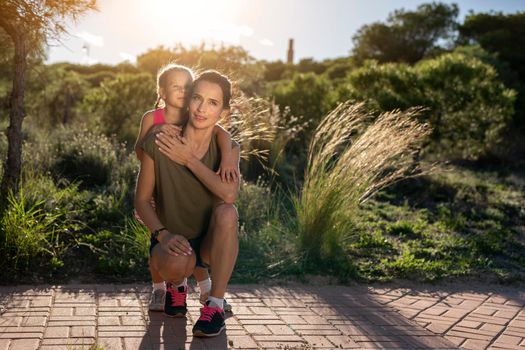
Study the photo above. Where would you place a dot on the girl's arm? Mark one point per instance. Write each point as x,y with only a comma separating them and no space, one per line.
145,124
227,169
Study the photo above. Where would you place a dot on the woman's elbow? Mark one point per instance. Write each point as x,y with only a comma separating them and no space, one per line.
230,197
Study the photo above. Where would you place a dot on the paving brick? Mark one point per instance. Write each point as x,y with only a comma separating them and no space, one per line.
110,343
473,344
382,345
72,343
280,329
439,327
314,319
456,340
24,344
508,340
14,321
492,328
318,341
293,319
276,338
257,329
469,324
34,321
241,342
82,331
62,311
56,332
483,310
109,321
84,311
342,341
142,343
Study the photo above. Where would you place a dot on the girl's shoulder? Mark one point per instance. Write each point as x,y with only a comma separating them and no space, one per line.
148,114
158,116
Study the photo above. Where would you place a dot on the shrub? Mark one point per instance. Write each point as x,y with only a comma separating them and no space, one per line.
348,162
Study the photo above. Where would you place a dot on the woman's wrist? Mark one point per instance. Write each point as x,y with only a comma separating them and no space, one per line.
191,160
162,234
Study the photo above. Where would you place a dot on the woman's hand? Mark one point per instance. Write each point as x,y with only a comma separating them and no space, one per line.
175,245
175,148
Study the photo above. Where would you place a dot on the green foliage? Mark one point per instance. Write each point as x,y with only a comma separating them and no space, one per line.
123,253
308,96
54,97
468,105
233,61
498,33
119,104
466,232
81,155
348,161
407,36
267,243
38,227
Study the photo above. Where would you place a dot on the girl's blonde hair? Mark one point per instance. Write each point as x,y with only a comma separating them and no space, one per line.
162,76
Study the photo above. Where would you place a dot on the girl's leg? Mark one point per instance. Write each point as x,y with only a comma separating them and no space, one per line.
203,279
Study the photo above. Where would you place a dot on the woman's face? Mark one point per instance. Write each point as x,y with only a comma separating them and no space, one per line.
206,105
176,89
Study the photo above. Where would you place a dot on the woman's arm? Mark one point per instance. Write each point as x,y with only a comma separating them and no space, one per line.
174,244
227,169
145,124
227,191
179,151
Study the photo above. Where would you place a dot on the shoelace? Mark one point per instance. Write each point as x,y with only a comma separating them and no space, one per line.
207,312
177,298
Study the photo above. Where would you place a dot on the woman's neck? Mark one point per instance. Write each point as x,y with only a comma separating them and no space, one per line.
198,137
173,115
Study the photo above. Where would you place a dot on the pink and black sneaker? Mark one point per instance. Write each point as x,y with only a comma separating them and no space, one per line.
175,302
211,322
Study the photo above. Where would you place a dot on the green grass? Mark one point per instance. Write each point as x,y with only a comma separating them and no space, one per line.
477,231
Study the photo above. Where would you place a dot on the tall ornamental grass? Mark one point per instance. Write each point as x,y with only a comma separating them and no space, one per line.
351,156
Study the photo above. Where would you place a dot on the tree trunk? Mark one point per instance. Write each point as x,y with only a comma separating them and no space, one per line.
13,163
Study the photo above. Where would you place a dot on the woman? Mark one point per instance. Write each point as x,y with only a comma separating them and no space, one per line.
203,225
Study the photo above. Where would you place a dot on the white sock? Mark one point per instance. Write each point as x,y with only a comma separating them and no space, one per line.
205,285
159,285
219,302
184,283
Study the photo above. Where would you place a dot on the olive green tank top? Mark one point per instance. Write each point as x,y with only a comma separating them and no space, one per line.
183,204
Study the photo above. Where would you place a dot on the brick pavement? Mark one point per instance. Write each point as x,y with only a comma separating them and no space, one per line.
296,316
477,317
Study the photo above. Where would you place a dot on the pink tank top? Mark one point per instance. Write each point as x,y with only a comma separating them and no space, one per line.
158,116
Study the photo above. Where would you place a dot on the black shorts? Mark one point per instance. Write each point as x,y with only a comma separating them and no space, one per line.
195,244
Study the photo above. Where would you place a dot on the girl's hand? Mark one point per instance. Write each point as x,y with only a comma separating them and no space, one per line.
228,172
171,130
175,245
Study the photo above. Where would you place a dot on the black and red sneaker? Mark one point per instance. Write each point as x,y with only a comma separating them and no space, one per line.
175,303
211,322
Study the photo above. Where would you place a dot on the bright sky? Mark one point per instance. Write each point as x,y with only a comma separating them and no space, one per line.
123,29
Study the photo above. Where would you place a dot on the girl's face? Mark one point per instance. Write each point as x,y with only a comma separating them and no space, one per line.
206,105
175,91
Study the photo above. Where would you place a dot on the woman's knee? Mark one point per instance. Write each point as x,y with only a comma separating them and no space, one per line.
172,267
226,215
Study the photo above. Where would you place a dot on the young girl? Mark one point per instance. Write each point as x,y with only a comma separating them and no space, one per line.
173,86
